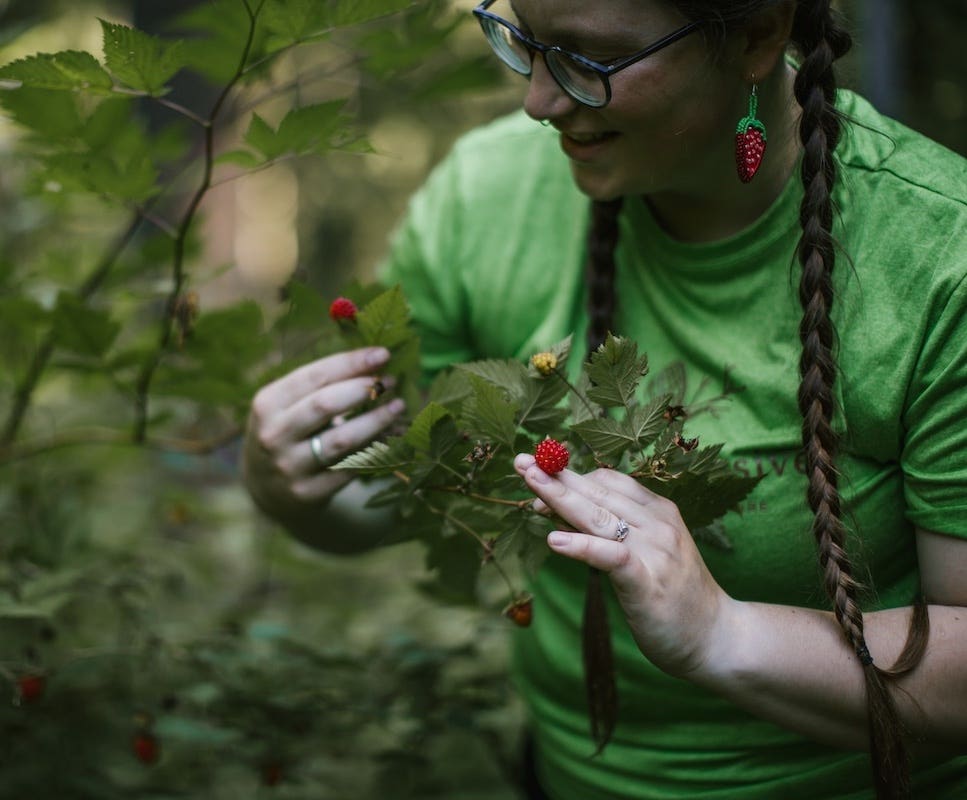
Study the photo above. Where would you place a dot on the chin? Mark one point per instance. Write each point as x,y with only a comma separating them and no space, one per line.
598,186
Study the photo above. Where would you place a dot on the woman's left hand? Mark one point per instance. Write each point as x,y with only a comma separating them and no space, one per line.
678,614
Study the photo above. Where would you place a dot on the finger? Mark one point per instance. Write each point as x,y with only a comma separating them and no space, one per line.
319,408
584,503
608,556
336,443
324,371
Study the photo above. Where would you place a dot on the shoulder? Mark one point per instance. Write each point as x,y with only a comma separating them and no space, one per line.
900,160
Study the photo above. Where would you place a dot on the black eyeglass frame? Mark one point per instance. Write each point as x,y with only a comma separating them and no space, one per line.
602,71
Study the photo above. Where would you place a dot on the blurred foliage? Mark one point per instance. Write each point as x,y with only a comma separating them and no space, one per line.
158,638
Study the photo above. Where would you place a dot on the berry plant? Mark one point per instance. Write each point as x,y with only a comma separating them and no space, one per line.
452,480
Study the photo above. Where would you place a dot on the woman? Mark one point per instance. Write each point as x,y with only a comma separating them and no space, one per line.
734,678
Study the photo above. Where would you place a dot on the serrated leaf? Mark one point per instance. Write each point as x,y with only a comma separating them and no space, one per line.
508,375
489,414
608,438
380,458
615,369
340,13
70,70
418,434
139,60
646,422
302,131
703,497
240,158
82,330
293,20
524,539
541,411
385,321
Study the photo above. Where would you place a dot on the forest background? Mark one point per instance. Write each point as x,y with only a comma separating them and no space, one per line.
158,638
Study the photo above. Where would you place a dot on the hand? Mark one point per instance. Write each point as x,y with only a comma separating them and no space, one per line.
281,471
677,613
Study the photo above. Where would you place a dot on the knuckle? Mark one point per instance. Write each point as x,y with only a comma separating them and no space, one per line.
321,406
600,517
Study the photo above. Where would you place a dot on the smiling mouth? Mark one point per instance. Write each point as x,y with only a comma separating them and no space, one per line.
590,138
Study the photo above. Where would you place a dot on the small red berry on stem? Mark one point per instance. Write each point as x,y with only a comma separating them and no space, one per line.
145,746
342,308
521,611
551,456
30,687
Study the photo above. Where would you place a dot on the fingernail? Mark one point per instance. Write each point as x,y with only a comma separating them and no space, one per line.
558,539
378,356
396,406
523,461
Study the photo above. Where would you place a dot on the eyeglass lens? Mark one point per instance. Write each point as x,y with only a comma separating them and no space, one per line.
578,80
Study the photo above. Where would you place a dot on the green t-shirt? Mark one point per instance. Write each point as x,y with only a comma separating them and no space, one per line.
491,256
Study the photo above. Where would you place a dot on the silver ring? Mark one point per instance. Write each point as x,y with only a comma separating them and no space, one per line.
315,445
621,532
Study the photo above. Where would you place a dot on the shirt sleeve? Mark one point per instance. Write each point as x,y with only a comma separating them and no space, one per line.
934,455
424,260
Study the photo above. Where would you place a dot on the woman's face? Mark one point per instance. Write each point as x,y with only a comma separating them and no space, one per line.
669,127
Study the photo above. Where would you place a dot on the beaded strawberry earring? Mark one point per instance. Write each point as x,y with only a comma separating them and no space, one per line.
750,140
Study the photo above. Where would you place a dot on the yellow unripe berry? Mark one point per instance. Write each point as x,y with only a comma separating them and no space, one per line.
544,363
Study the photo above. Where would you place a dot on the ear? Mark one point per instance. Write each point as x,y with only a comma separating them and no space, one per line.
764,37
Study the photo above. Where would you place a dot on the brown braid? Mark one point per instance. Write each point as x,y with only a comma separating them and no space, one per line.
821,42
602,240
815,88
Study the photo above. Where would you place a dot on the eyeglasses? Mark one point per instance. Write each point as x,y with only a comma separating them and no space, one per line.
584,80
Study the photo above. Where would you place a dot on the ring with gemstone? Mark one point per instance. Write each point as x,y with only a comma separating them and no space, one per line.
621,532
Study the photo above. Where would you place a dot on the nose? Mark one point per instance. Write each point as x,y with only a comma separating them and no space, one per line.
545,99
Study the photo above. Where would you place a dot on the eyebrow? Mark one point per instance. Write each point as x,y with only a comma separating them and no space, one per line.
574,38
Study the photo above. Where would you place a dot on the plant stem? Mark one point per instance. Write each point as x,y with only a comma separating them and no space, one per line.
149,368
577,393
24,392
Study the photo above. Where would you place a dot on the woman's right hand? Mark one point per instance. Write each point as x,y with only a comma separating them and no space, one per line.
283,471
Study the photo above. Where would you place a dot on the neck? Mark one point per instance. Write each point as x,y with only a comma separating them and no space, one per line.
721,205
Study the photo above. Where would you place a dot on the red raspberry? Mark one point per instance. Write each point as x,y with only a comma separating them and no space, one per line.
30,687
552,456
521,612
145,747
342,308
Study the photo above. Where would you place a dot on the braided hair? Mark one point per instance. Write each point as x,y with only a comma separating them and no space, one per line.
821,41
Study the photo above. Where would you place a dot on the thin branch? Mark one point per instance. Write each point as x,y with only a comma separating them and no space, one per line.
147,373
24,392
83,437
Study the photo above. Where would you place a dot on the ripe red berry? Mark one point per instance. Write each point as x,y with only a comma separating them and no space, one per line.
551,456
145,746
521,612
342,308
30,687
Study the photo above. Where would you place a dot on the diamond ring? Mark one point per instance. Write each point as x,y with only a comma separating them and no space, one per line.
621,532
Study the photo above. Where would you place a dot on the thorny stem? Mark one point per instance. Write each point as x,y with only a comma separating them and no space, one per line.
149,368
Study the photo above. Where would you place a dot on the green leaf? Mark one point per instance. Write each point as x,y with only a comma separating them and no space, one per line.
82,330
380,458
139,60
615,370
489,414
418,435
541,411
53,116
508,375
302,131
647,422
385,320
70,70
608,438
340,13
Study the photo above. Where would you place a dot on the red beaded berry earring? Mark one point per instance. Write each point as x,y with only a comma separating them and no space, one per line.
750,140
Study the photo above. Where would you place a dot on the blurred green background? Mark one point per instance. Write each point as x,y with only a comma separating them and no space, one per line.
142,584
